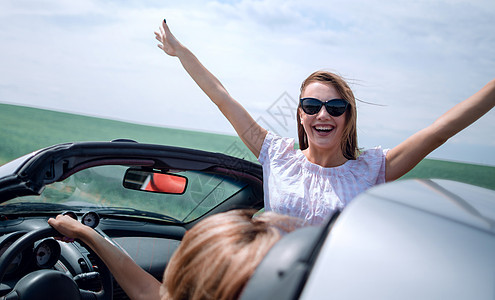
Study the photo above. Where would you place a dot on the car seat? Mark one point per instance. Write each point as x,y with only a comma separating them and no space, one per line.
283,271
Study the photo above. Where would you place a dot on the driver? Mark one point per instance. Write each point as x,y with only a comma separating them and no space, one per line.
226,248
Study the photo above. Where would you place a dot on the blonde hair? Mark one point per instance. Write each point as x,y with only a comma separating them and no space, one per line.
349,136
218,255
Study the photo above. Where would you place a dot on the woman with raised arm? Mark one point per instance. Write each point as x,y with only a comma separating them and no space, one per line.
328,170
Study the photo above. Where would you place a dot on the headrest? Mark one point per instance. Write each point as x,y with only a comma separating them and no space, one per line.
280,274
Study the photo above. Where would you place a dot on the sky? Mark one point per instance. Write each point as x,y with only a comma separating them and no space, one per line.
407,62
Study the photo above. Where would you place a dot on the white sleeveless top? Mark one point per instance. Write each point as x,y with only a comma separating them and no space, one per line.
294,186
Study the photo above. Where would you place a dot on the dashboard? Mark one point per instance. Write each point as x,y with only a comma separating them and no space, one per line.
42,255
150,245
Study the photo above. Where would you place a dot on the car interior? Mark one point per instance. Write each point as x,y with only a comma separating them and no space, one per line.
143,206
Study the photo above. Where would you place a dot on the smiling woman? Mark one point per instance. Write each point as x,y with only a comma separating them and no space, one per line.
329,170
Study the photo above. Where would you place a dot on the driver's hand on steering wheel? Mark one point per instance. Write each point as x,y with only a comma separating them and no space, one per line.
71,229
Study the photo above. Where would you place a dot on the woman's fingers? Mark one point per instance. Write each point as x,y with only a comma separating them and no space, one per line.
64,239
162,32
168,42
66,226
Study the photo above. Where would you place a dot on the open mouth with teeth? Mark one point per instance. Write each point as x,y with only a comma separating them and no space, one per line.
323,129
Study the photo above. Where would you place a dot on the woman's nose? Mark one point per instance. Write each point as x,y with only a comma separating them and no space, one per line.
323,114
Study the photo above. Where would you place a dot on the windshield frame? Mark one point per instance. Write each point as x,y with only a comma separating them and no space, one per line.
36,171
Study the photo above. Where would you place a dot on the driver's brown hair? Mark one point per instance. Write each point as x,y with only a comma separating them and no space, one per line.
218,255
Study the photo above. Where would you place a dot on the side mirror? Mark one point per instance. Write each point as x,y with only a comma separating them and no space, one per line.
153,181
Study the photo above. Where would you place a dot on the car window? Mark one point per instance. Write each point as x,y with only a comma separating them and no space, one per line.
101,188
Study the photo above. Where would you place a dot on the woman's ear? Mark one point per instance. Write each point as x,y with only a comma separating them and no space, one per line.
300,113
164,295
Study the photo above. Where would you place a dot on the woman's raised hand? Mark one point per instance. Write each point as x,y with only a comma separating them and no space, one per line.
213,88
168,43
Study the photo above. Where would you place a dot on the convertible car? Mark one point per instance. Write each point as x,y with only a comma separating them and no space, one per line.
411,239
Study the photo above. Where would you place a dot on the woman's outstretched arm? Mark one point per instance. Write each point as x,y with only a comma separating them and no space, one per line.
250,132
137,283
409,153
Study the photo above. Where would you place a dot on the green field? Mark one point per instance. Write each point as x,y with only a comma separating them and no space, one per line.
25,129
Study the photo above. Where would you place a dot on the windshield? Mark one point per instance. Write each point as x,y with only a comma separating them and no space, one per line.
101,189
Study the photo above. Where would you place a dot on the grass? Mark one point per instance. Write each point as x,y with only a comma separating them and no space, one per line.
25,129
479,175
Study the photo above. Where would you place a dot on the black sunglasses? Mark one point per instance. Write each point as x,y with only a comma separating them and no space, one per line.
335,107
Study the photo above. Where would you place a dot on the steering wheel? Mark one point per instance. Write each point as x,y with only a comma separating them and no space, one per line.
49,284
